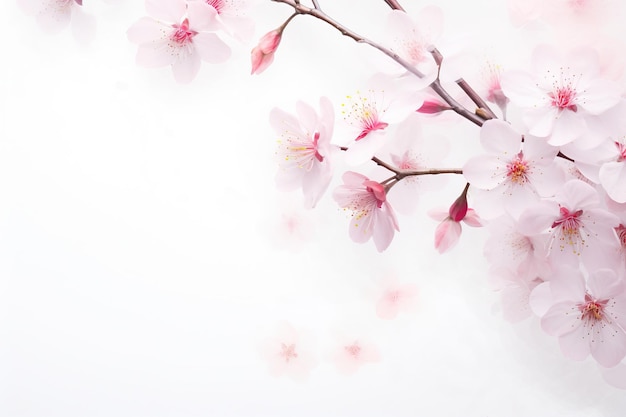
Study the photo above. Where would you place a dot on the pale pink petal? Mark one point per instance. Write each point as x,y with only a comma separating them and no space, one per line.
364,149
521,88
155,55
447,235
600,96
608,344
211,48
187,66
560,319
485,171
202,17
499,137
575,345
170,11
567,127
472,219
613,179
146,30
53,20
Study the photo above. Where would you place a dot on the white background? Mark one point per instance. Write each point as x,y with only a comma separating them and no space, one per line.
141,260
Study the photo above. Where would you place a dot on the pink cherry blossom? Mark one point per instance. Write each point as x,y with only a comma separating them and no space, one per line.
588,317
562,92
352,353
262,55
579,228
288,352
372,216
371,113
394,298
179,34
514,173
449,230
304,149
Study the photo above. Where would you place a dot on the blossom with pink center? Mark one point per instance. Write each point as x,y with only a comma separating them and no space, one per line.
370,115
232,16
449,230
579,229
514,172
288,352
351,354
372,216
561,94
394,298
179,34
588,316
304,149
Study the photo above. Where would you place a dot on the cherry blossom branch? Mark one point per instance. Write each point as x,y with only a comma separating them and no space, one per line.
483,109
394,5
436,85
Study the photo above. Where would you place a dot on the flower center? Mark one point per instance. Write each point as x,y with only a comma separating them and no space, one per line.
517,169
564,98
183,35
288,352
592,309
377,190
568,222
364,114
353,350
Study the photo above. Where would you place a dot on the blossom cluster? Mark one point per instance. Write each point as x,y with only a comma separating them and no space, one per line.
548,186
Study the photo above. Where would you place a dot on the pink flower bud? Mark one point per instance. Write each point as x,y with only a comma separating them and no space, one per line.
263,53
433,107
458,209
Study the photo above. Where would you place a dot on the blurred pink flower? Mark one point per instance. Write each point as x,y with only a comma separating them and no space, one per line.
350,354
372,216
396,297
179,34
55,15
287,353
304,149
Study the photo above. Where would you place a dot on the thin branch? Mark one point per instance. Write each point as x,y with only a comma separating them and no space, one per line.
436,85
394,5
480,103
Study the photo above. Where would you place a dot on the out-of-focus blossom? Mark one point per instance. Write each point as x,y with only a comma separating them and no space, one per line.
395,297
55,15
179,34
372,216
304,149
288,353
352,353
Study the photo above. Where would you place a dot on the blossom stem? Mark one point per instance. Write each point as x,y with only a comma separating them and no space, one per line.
436,85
